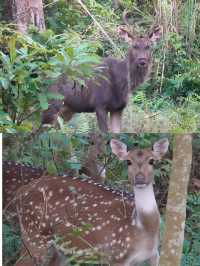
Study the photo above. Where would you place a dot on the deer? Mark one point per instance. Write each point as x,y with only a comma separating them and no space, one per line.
15,175
108,91
121,227
92,165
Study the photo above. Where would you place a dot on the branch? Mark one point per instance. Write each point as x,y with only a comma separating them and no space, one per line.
99,26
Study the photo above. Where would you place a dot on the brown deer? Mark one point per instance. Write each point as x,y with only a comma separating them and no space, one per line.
108,92
121,228
92,164
15,175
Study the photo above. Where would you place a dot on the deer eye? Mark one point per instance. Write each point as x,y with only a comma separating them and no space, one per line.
135,46
129,162
151,161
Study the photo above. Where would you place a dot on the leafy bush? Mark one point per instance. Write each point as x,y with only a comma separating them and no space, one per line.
160,114
177,73
191,248
11,245
29,64
62,16
59,152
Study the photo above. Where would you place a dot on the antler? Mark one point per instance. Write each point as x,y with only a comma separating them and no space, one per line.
124,17
130,27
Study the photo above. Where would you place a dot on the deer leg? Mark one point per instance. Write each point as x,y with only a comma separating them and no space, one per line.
102,118
115,122
66,113
154,260
53,258
57,258
55,109
25,259
50,115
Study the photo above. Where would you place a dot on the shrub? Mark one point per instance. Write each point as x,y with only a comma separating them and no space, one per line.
29,64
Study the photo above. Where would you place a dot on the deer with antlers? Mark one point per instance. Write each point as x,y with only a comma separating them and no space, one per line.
122,227
108,92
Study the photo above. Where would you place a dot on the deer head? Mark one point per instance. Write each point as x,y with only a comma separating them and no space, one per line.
140,46
92,165
140,162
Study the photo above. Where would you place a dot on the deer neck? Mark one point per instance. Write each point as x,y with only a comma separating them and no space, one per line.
135,75
145,206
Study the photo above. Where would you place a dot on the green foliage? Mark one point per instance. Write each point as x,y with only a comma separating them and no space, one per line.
59,152
177,74
62,16
191,248
11,245
172,96
89,257
29,64
161,114
70,16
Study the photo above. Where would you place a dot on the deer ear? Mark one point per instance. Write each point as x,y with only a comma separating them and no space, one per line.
119,149
125,34
160,148
156,34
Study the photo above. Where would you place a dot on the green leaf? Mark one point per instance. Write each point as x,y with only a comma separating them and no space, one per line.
5,59
52,74
43,101
70,52
25,127
75,166
55,96
51,168
4,83
12,49
89,59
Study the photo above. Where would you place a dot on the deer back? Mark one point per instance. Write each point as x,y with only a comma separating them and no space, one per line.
16,175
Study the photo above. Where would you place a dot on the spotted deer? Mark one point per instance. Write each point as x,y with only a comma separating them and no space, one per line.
108,92
15,175
123,229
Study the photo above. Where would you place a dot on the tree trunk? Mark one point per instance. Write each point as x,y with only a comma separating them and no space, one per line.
172,245
26,12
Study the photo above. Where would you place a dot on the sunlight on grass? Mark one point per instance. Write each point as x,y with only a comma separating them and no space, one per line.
156,115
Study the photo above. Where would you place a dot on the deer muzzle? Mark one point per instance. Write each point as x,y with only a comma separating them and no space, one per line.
140,180
142,62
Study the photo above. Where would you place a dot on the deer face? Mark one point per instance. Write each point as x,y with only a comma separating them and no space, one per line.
140,52
140,162
140,47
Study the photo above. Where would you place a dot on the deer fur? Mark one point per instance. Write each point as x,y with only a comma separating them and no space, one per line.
16,175
108,92
124,230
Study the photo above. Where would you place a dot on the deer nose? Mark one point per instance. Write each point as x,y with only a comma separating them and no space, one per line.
142,61
139,179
